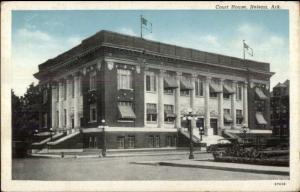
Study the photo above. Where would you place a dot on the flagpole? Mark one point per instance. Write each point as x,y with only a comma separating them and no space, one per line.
141,26
244,50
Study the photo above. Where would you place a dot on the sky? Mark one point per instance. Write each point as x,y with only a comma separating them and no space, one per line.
38,35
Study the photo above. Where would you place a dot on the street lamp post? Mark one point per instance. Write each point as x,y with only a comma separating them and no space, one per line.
244,129
189,117
51,131
103,125
201,133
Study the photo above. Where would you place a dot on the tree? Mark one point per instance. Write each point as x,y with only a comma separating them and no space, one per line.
25,113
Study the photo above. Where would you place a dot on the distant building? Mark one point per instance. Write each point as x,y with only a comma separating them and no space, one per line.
280,109
141,89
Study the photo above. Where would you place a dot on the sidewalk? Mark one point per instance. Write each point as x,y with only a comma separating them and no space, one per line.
209,164
112,154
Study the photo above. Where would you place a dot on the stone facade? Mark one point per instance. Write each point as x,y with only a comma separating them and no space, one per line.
135,84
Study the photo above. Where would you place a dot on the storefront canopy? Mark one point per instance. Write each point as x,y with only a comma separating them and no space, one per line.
228,89
215,88
260,118
170,83
260,94
227,118
126,112
186,85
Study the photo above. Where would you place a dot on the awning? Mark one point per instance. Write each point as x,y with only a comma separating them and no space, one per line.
170,83
126,112
227,118
216,88
151,111
228,89
260,94
186,85
260,118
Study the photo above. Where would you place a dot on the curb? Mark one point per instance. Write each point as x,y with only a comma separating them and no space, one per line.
109,155
225,168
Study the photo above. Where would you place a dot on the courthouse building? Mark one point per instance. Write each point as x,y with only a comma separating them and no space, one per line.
127,92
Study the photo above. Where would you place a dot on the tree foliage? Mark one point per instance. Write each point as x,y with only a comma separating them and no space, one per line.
25,113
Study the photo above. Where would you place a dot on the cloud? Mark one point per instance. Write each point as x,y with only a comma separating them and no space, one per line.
128,31
32,47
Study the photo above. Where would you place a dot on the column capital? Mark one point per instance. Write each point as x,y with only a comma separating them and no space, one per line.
222,80
194,75
178,73
245,83
162,71
208,79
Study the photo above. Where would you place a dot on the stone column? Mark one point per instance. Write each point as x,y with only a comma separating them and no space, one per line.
68,103
60,104
76,101
233,105
192,99
207,110
53,106
245,104
220,109
177,101
161,99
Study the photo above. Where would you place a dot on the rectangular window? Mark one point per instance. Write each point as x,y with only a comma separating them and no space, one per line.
45,120
168,141
151,141
65,117
57,118
65,90
93,81
121,142
175,141
93,113
226,95
124,79
184,92
45,96
169,113
226,113
151,82
73,88
239,92
151,112
239,116
169,91
199,87
57,94
80,86
131,142
157,141
212,94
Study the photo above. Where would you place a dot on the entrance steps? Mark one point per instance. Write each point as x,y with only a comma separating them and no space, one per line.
209,139
45,141
69,136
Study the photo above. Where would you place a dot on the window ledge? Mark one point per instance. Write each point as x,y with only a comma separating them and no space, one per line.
153,92
126,121
151,122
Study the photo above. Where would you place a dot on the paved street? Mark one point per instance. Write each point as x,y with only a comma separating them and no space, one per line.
121,168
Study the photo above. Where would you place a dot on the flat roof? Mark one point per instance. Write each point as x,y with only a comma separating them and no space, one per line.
105,37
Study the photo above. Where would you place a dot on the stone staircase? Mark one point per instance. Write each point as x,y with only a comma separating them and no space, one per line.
209,140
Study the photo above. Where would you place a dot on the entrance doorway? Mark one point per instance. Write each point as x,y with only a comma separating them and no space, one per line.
200,122
214,125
